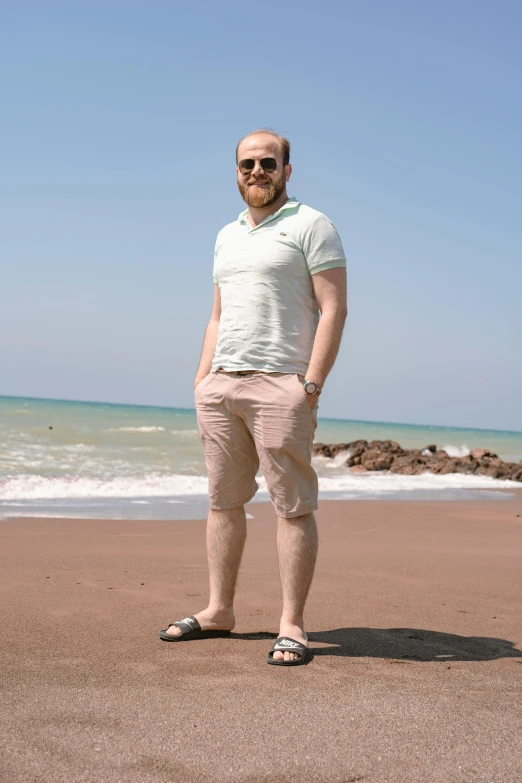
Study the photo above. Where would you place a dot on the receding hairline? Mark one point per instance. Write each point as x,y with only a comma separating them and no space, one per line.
283,142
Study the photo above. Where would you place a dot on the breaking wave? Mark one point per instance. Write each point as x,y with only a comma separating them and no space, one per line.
349,485
137,429
456,451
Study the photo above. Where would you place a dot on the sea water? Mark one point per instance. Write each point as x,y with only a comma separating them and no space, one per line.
100,460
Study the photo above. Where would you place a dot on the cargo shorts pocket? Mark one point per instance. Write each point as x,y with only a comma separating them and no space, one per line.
286,417
203,382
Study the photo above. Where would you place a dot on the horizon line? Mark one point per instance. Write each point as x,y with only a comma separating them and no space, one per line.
324,418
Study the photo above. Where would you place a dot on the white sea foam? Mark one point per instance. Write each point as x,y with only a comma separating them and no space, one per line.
331,463
385,483
136,429
456,451
27,487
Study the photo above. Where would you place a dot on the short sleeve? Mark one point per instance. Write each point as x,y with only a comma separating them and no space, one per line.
214,274
322,246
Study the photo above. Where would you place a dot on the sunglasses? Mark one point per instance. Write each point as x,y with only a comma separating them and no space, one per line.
269,165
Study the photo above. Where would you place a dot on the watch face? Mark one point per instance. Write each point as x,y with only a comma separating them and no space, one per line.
310,387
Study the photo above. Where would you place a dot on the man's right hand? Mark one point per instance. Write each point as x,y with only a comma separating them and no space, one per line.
198,380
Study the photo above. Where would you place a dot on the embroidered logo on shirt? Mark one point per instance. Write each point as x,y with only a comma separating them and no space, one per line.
282,234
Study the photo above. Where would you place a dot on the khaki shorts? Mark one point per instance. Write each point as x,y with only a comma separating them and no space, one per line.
258,419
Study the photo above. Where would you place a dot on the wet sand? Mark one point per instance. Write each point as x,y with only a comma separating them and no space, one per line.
415,622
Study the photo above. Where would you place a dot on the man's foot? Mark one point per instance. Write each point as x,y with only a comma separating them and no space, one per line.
294,632
222,620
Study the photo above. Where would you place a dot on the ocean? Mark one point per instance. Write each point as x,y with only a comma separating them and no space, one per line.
100,460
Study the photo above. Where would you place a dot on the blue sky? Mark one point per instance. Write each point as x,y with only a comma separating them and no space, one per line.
119,127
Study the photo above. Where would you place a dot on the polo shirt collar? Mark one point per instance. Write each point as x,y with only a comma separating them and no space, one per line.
290,204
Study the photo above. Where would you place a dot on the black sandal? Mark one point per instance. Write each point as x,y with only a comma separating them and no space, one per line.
190,629
285,644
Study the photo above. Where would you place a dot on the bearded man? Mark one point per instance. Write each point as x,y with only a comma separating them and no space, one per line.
273,336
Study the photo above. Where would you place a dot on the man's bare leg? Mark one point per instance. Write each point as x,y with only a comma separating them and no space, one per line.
226,535
297,553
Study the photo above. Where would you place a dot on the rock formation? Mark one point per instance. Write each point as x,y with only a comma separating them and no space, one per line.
363,456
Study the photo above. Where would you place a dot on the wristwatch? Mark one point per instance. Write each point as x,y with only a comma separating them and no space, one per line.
311,387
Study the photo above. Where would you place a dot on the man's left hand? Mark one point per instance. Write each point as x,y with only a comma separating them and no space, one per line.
312,399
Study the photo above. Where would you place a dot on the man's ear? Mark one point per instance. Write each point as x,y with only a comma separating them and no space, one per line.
288,171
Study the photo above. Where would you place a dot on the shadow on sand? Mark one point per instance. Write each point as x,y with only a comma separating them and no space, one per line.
410,644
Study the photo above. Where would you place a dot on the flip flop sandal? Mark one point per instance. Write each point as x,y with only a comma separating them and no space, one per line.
190,629
285,644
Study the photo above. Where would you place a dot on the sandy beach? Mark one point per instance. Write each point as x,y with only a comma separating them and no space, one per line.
415,624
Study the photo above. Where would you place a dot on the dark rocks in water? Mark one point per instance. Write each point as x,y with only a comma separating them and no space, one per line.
387,455
410,464
386,445
375,459
330,451
480,453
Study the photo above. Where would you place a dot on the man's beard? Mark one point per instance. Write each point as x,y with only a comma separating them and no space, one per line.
262,197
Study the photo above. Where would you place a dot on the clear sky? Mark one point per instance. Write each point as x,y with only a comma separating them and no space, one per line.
119,125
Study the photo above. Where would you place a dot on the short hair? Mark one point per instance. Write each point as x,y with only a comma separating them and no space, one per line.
285,144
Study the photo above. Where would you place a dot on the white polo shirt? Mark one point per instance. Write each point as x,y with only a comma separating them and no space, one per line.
269,313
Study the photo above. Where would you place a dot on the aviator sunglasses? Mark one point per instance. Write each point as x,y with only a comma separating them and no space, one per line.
269,165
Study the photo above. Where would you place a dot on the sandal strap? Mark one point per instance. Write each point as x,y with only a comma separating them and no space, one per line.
187,625
286,644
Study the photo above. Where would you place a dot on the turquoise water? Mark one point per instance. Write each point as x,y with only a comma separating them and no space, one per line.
57,456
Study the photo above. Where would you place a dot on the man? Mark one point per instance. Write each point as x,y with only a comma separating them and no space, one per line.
265,358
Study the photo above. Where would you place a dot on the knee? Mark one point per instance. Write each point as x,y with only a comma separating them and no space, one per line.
227,513
302,519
